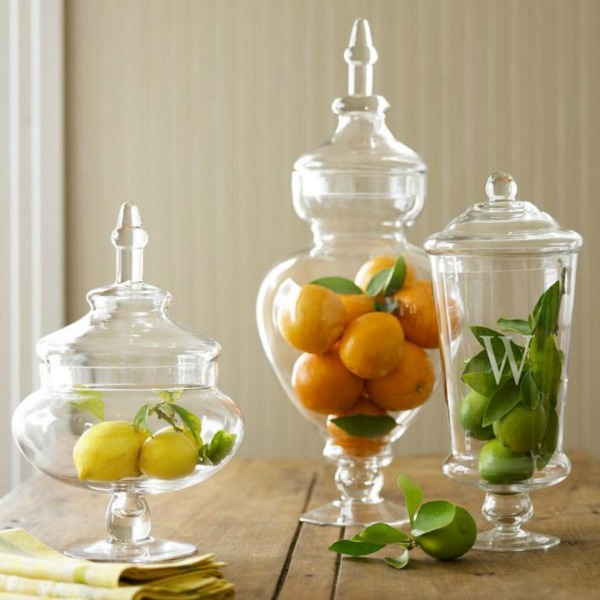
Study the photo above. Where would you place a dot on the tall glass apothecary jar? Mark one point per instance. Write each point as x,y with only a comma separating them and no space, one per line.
349,324
128,405
510,268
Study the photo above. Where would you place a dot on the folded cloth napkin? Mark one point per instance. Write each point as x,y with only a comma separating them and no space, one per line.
29,568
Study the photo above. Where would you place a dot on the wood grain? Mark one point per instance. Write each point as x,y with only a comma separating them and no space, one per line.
247,515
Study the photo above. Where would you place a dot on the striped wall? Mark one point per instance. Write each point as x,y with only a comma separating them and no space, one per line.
196,110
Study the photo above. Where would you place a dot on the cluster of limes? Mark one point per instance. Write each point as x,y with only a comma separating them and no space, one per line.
358,359
512,406
114,450
511,442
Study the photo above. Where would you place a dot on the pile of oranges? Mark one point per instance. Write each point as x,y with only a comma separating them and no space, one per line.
358,359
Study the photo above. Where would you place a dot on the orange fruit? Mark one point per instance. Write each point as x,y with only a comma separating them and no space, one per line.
357,305
314,321
369,269
371,345
322,383
454,314
408,385
353,444
416,310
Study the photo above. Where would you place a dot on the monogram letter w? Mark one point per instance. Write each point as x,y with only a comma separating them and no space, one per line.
515,369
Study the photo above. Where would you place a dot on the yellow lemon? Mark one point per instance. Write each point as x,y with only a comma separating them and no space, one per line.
168,454
108,451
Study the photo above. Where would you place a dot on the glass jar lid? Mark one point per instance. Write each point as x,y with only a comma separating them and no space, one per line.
128,339
362,171
503,225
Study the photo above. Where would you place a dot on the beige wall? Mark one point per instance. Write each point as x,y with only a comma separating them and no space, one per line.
197,110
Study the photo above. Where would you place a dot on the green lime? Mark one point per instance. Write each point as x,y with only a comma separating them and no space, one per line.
471,410
546,363
499,464
522,429
451,541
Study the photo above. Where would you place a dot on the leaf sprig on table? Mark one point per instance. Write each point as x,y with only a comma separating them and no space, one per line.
440,528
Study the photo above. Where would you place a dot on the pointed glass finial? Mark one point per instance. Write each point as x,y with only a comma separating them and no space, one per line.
130,239
360,55
501,186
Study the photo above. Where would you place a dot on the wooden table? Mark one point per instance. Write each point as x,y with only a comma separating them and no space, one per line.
247,515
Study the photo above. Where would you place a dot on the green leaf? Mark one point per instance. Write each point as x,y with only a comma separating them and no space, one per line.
502,402
219,447
546,363
397,277
367,426
530,394
479,331
355,547
381,533
379,282
170,396
432,516
516,325
339,285
478,375
388,305
550,439
190,421
89,400
547,309
413,495
496,342
92,405
388,281
398,562
140,421
165,412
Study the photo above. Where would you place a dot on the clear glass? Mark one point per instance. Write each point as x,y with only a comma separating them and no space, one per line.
128,405
358,191
506,363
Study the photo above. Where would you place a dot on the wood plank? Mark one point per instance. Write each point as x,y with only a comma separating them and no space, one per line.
252,520
313,570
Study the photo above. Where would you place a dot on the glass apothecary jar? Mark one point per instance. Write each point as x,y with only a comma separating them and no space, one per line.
349,324
511,271
128,405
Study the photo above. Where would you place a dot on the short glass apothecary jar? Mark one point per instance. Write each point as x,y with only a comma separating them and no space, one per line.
349,323
128,405
508,271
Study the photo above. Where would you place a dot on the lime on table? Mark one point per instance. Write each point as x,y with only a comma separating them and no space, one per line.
471,410
522,429
499,464
453,540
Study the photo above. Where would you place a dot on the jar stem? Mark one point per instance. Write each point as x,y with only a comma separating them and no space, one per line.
507,513
359,481
128,518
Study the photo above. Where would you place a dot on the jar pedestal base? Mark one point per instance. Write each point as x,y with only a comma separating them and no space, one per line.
150,551
351,512
497,541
